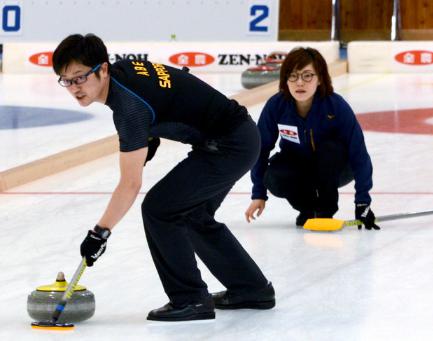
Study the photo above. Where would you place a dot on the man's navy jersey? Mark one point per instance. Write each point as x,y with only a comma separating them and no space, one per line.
329,119
156,100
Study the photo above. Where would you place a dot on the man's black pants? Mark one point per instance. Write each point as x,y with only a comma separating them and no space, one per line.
178,215
310,184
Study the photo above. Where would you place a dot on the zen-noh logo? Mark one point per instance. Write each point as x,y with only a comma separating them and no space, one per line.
192,59
415,57
42,59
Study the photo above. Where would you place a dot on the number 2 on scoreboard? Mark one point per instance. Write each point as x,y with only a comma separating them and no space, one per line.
259,14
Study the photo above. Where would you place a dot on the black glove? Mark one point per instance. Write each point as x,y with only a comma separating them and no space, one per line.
152,146
366,215
94,245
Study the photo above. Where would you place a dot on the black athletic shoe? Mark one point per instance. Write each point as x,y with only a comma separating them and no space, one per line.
303,217
204,310
257,299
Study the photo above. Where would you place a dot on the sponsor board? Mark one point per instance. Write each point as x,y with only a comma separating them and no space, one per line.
390,56
200,57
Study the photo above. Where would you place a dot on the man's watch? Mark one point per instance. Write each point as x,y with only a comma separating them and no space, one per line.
102,232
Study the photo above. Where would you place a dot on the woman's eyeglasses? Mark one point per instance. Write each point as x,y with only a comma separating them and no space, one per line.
79,79
305,76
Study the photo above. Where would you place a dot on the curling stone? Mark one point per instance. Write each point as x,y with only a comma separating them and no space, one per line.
42,302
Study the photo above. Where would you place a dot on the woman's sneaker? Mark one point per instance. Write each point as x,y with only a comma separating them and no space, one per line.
303,217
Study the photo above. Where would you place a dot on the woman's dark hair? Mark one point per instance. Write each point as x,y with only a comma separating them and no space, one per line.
88,50
297,59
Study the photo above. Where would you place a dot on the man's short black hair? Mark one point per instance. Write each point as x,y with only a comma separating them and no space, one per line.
88,50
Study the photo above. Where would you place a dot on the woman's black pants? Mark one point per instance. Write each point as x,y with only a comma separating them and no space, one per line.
310,184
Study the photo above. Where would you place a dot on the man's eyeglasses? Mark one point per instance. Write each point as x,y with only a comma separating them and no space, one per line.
305,76
79,79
